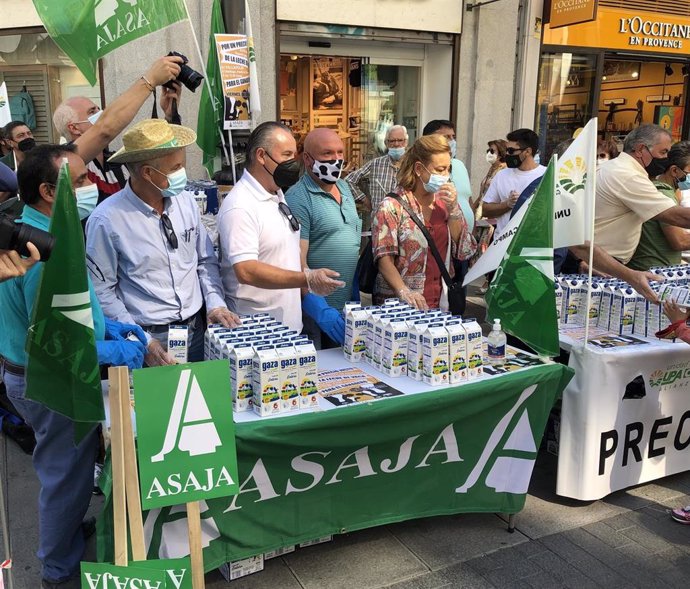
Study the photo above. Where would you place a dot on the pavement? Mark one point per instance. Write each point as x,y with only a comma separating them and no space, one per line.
625,540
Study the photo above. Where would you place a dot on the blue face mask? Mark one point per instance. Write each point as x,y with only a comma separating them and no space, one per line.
684,184
453,147
396,153
176,183
87,199
435,181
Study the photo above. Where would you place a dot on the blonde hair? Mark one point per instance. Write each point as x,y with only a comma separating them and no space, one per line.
422,150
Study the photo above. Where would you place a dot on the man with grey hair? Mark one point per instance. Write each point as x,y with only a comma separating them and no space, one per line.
150,257
76,115
380,173
260,237
626,197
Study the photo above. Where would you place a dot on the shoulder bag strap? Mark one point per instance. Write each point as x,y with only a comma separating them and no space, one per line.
430,240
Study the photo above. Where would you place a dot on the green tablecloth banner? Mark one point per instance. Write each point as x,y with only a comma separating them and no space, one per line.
470,448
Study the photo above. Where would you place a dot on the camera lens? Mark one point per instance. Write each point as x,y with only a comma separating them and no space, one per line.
190,78
15,236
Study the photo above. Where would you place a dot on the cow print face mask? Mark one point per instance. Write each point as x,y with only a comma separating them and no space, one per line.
328,171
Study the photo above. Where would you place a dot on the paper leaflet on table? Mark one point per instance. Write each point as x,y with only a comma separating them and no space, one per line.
573,204
351,385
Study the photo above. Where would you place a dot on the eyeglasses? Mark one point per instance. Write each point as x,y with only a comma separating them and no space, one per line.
514,150
169,231
287,213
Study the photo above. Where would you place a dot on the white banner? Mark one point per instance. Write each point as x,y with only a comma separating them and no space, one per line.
254,94
5,114
610,440
493,255
573,203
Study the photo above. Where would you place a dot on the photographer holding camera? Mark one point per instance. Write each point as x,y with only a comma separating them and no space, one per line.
13,265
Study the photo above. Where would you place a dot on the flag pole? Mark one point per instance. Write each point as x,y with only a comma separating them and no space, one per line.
231,158
3,517
593,179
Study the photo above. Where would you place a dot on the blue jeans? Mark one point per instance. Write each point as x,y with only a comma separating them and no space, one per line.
65,472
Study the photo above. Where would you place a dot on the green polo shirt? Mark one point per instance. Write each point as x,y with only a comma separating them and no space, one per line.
333,231
17,297
653,248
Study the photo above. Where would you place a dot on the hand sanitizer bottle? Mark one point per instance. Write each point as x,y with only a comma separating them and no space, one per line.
496,341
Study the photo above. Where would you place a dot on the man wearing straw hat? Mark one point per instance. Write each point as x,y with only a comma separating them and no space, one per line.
151,260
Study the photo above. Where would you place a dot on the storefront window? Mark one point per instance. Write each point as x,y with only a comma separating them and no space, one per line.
33,64
565,97
357,99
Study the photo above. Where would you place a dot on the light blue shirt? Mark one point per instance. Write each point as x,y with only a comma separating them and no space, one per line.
139,278
17,298
461,180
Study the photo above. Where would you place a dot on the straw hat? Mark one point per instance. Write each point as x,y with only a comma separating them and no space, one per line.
150,139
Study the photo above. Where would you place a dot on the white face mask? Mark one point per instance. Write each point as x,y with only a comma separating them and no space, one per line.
94,117
491,158
87,199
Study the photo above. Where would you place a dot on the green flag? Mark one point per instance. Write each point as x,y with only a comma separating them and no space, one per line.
522,293
211,107
86,30
62,370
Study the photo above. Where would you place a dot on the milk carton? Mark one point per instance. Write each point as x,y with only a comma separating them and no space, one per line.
177,342
391,302
351,306
559,301
623,310
415,354
262,317
308,374
379,324
208,334
394,354
457,351
371,321
435,356
574,310
354,346
241,385
605,307
227,347
594,304
289,377
642,317
266,381
475,348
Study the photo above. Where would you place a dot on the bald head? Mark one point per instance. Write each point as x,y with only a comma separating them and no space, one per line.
71,117
324,146
322,138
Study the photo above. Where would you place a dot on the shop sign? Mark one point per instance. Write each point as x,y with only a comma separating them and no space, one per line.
623,30
185,433
570,12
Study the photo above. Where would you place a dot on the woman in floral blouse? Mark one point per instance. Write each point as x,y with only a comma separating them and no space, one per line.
407,268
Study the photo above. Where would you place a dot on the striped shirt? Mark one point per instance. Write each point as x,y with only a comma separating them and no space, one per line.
381,176
105,176
333,231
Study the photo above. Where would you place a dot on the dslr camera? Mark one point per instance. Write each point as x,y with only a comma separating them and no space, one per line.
187,76
15,236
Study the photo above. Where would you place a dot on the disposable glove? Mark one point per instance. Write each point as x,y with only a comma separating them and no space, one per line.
121,353
327,318
116,330
322,281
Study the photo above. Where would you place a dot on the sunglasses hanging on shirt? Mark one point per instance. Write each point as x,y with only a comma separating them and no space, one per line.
169,231
287,213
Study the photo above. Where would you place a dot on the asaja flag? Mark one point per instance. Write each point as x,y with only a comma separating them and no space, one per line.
574,202
254,95
522,293
62,369
210,120
5,114
86,30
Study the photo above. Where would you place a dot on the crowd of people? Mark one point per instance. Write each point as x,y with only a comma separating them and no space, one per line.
289,241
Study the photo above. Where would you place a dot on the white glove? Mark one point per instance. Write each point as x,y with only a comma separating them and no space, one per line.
322,281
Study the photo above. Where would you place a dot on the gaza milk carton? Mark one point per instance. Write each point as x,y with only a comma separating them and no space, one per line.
355,344
594,304
415,355
289,377
394,347
643,319
577,298
241,386
227,347
262,317
435,355
623,310
351,306
559,301
475,348
379,325
266,381
607,290
178,338
457,351
308,373
372,317
208,335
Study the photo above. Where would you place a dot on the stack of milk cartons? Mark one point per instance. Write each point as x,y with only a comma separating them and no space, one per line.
272,368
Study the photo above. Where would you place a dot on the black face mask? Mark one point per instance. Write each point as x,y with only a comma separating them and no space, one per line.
26,144
286,173
513,161
656,167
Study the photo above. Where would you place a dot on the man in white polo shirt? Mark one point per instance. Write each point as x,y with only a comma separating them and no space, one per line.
260,237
